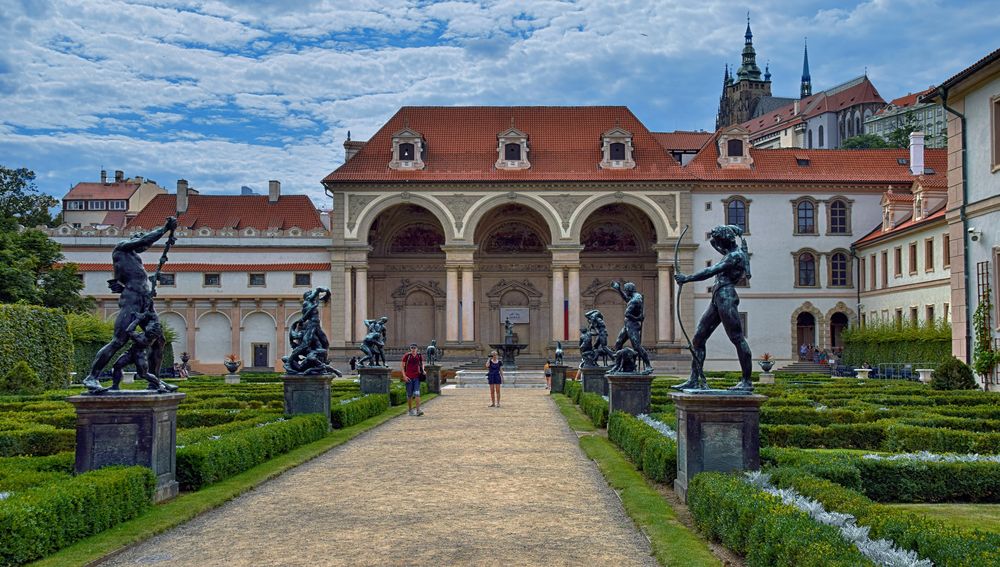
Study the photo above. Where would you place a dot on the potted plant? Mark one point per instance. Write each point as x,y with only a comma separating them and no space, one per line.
232,363
766,362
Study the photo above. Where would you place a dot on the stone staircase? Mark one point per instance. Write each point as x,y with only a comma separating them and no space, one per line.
515,379
804,367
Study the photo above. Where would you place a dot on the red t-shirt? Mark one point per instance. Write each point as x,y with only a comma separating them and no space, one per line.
412,364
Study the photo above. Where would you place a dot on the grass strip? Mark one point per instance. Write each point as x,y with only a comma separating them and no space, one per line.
183,508
577,421
984,517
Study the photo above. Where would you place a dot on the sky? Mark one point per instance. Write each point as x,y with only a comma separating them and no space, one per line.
226,93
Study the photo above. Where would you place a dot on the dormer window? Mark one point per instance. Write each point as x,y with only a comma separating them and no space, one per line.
408,150
512,149
734,147
616,149
734,144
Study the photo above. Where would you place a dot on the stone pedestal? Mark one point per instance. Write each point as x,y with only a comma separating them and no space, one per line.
594,380
717,430
374,379
558,377
925,374
766,378
129,427
232,378
433,378
307,394
629,393
128,377
863,372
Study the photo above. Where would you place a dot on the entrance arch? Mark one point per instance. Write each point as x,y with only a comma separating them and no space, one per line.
805,325
257,340
838,322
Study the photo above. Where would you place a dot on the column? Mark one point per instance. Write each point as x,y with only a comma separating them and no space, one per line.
279,334
468,325
573,293
558,298
451,305
360,300
236,326
348,307
191,314
664,301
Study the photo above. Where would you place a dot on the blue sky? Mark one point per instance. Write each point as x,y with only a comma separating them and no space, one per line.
227,93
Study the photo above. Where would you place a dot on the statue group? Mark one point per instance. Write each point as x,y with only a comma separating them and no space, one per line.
594,337
309,343
373,345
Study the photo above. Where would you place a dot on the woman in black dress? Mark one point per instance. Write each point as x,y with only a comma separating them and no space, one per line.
494,377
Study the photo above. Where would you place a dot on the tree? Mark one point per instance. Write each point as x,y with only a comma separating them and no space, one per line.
900,137
864,142
20,199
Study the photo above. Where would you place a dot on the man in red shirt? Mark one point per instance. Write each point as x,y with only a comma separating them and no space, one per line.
413,367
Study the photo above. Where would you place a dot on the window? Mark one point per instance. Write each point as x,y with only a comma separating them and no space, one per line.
97,205
212,280
708,206
74,205
736,213
168,279
617,151
303,279
257,280
809,144
840,217
408,148
885,269
946,250
863,280
913,258
117,205
871,266
807,270
897,262
406,152
839,270
820,132
512,152
805,218
929,315
80,278
899,317
913,316
734,148
946,313
929,255
512,149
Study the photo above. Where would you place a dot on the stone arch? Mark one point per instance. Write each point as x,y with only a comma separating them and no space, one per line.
243,319
660,223
820,322
852,319
213,337
178,324
258,327
474,216
372,210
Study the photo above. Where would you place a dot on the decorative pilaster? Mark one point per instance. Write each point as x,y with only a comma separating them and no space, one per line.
459,260
468,303
664,304
360,301
558,299
451,305
573,293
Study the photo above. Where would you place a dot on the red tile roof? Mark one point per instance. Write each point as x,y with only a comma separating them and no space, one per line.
178,267
905,101
877,234
936,182
115,218
895,197
682,140
232,211
858,91
87,190
564,144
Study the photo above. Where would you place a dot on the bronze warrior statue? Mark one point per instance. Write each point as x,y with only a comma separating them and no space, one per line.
632,327
307,339
373,345
724,308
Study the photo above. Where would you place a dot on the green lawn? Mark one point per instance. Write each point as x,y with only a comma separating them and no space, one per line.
974,516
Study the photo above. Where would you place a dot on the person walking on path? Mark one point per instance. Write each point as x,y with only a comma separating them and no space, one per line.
413,367
494,377
548,375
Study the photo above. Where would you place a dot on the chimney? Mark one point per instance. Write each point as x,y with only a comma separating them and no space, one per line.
104,176
795,109
182,196
917,153
119,176
273,191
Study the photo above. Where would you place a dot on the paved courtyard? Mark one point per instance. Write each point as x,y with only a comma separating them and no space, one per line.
463,484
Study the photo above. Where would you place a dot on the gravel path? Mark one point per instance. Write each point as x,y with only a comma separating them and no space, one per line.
463,484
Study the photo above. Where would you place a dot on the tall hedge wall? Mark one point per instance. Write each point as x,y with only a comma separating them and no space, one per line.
90,333
40,337
886,342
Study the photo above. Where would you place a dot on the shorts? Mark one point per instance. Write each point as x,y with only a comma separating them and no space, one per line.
413,388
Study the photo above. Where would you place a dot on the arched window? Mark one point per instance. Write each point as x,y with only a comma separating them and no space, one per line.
809,135
734,148
839,273
839,214
857,124
512,152
617,151
736,213
406,152
819,131
806,270
805,218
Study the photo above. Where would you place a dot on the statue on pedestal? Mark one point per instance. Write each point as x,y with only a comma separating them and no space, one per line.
724,308
559,354
588,357
373,345
508,330
632,327
307,339
433,353
136,291
599,332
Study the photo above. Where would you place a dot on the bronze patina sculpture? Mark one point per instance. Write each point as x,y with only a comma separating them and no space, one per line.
724,308
136,309
307,339
588,357
508,329
559,354
632,327
434,354
599,334
373,345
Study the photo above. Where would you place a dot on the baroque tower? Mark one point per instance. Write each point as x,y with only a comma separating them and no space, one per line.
740,96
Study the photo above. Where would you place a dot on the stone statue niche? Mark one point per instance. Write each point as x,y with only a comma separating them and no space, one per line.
308,355
373,345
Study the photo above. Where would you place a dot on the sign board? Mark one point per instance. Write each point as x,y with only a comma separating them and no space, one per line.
517,315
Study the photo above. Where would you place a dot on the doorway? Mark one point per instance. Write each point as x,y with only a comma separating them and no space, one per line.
806,325
260,355
838,322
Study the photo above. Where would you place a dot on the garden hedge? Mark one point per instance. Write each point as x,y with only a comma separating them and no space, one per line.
39,521
596,408
36,439
879,343
39,336
355,411
651,452
573,389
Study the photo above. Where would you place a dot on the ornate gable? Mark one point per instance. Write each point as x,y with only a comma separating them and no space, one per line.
616,149
408,150
512,149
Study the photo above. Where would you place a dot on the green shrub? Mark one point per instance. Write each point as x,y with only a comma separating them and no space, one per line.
39,521
886,342
191,418
909,438
836,436
212,460
573,389
21,379
356,411
41,337
595,407
36,439
760,527
651,452
953,374
659,459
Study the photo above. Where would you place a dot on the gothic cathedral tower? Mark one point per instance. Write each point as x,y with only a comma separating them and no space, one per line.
740,96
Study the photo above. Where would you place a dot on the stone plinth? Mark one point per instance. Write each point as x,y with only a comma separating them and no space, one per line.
629,393
863,372
558,377
128,377
717,430
766,378
130,427
307,394
232,378
433,372
925,374
595,381
374,379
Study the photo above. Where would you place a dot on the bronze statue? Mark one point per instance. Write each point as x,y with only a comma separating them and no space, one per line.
373,345
309,343
559,354
724,308
632,327
136,309
599,332
588,357
508,328
434,354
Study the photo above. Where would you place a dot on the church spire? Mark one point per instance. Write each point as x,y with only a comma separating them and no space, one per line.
767,71
806,88
749,69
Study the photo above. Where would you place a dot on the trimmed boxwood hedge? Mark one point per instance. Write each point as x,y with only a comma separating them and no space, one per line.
651,452
760,527
573,389
36,439
40,337
356,411
595,407
39,521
